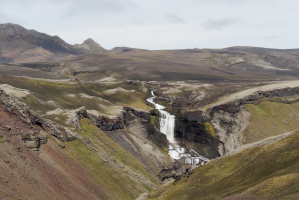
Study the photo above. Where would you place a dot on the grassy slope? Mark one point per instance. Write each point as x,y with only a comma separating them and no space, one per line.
269,119
67,95
108,170
114,178
268,172
71,170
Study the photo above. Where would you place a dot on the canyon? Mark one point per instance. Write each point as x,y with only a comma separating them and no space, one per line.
80,121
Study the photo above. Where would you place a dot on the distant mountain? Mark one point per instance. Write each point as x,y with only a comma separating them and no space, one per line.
90,45
18,44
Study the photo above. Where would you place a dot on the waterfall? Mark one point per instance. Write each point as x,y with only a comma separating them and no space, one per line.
167,121
167,125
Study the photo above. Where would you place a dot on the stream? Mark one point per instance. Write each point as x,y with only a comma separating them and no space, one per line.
175,151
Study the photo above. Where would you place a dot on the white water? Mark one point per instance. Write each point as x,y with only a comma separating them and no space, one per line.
167,121
167,125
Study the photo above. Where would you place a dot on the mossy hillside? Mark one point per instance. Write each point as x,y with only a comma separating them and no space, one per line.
132,99
60,119
269,119
68,95
269,172
107,173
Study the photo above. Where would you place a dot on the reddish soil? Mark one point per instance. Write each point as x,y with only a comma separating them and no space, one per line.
46,174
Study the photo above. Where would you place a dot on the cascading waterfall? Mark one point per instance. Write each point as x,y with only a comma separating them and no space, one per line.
167,121
167,125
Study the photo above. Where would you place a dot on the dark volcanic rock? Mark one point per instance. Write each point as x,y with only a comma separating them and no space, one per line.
191,129
176,172
107,124
140,114
196,116
231,108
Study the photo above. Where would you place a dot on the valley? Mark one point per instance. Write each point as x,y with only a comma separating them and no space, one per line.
91,123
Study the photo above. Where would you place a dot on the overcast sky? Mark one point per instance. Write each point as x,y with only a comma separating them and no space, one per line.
161,24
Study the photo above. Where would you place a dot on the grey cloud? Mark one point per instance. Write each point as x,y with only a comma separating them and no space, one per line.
71,7
174,18
212,24
98,6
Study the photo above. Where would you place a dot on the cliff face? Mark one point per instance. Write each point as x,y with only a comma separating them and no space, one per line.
225,127
230,120
195,131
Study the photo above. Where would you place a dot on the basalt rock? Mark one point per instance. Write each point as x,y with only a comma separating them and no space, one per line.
107,124
133,82
176,172
192,129
268,94
140,114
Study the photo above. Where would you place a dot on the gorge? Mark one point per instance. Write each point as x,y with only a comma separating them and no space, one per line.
83,122
167,126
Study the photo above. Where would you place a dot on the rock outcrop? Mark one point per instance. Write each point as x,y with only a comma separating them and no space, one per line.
28,116
230,119
175,172
228,124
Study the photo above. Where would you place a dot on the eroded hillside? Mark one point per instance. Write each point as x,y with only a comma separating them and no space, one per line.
70,153
74,139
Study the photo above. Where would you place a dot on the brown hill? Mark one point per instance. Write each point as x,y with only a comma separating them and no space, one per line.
235,63
18,44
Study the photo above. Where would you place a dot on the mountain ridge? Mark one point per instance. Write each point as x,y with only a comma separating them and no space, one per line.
18,44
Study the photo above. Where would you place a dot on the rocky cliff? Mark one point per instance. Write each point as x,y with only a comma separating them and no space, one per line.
32,119
219,130
231,119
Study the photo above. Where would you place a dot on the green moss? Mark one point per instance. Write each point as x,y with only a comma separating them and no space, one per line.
42,83
34,102
154,119
60,119
269,119
2,139
100,171
210,128
165,151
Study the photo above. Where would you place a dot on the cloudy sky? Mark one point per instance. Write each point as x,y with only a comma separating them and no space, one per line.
161,24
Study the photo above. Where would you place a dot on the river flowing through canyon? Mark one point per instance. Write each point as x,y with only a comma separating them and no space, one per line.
167,127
